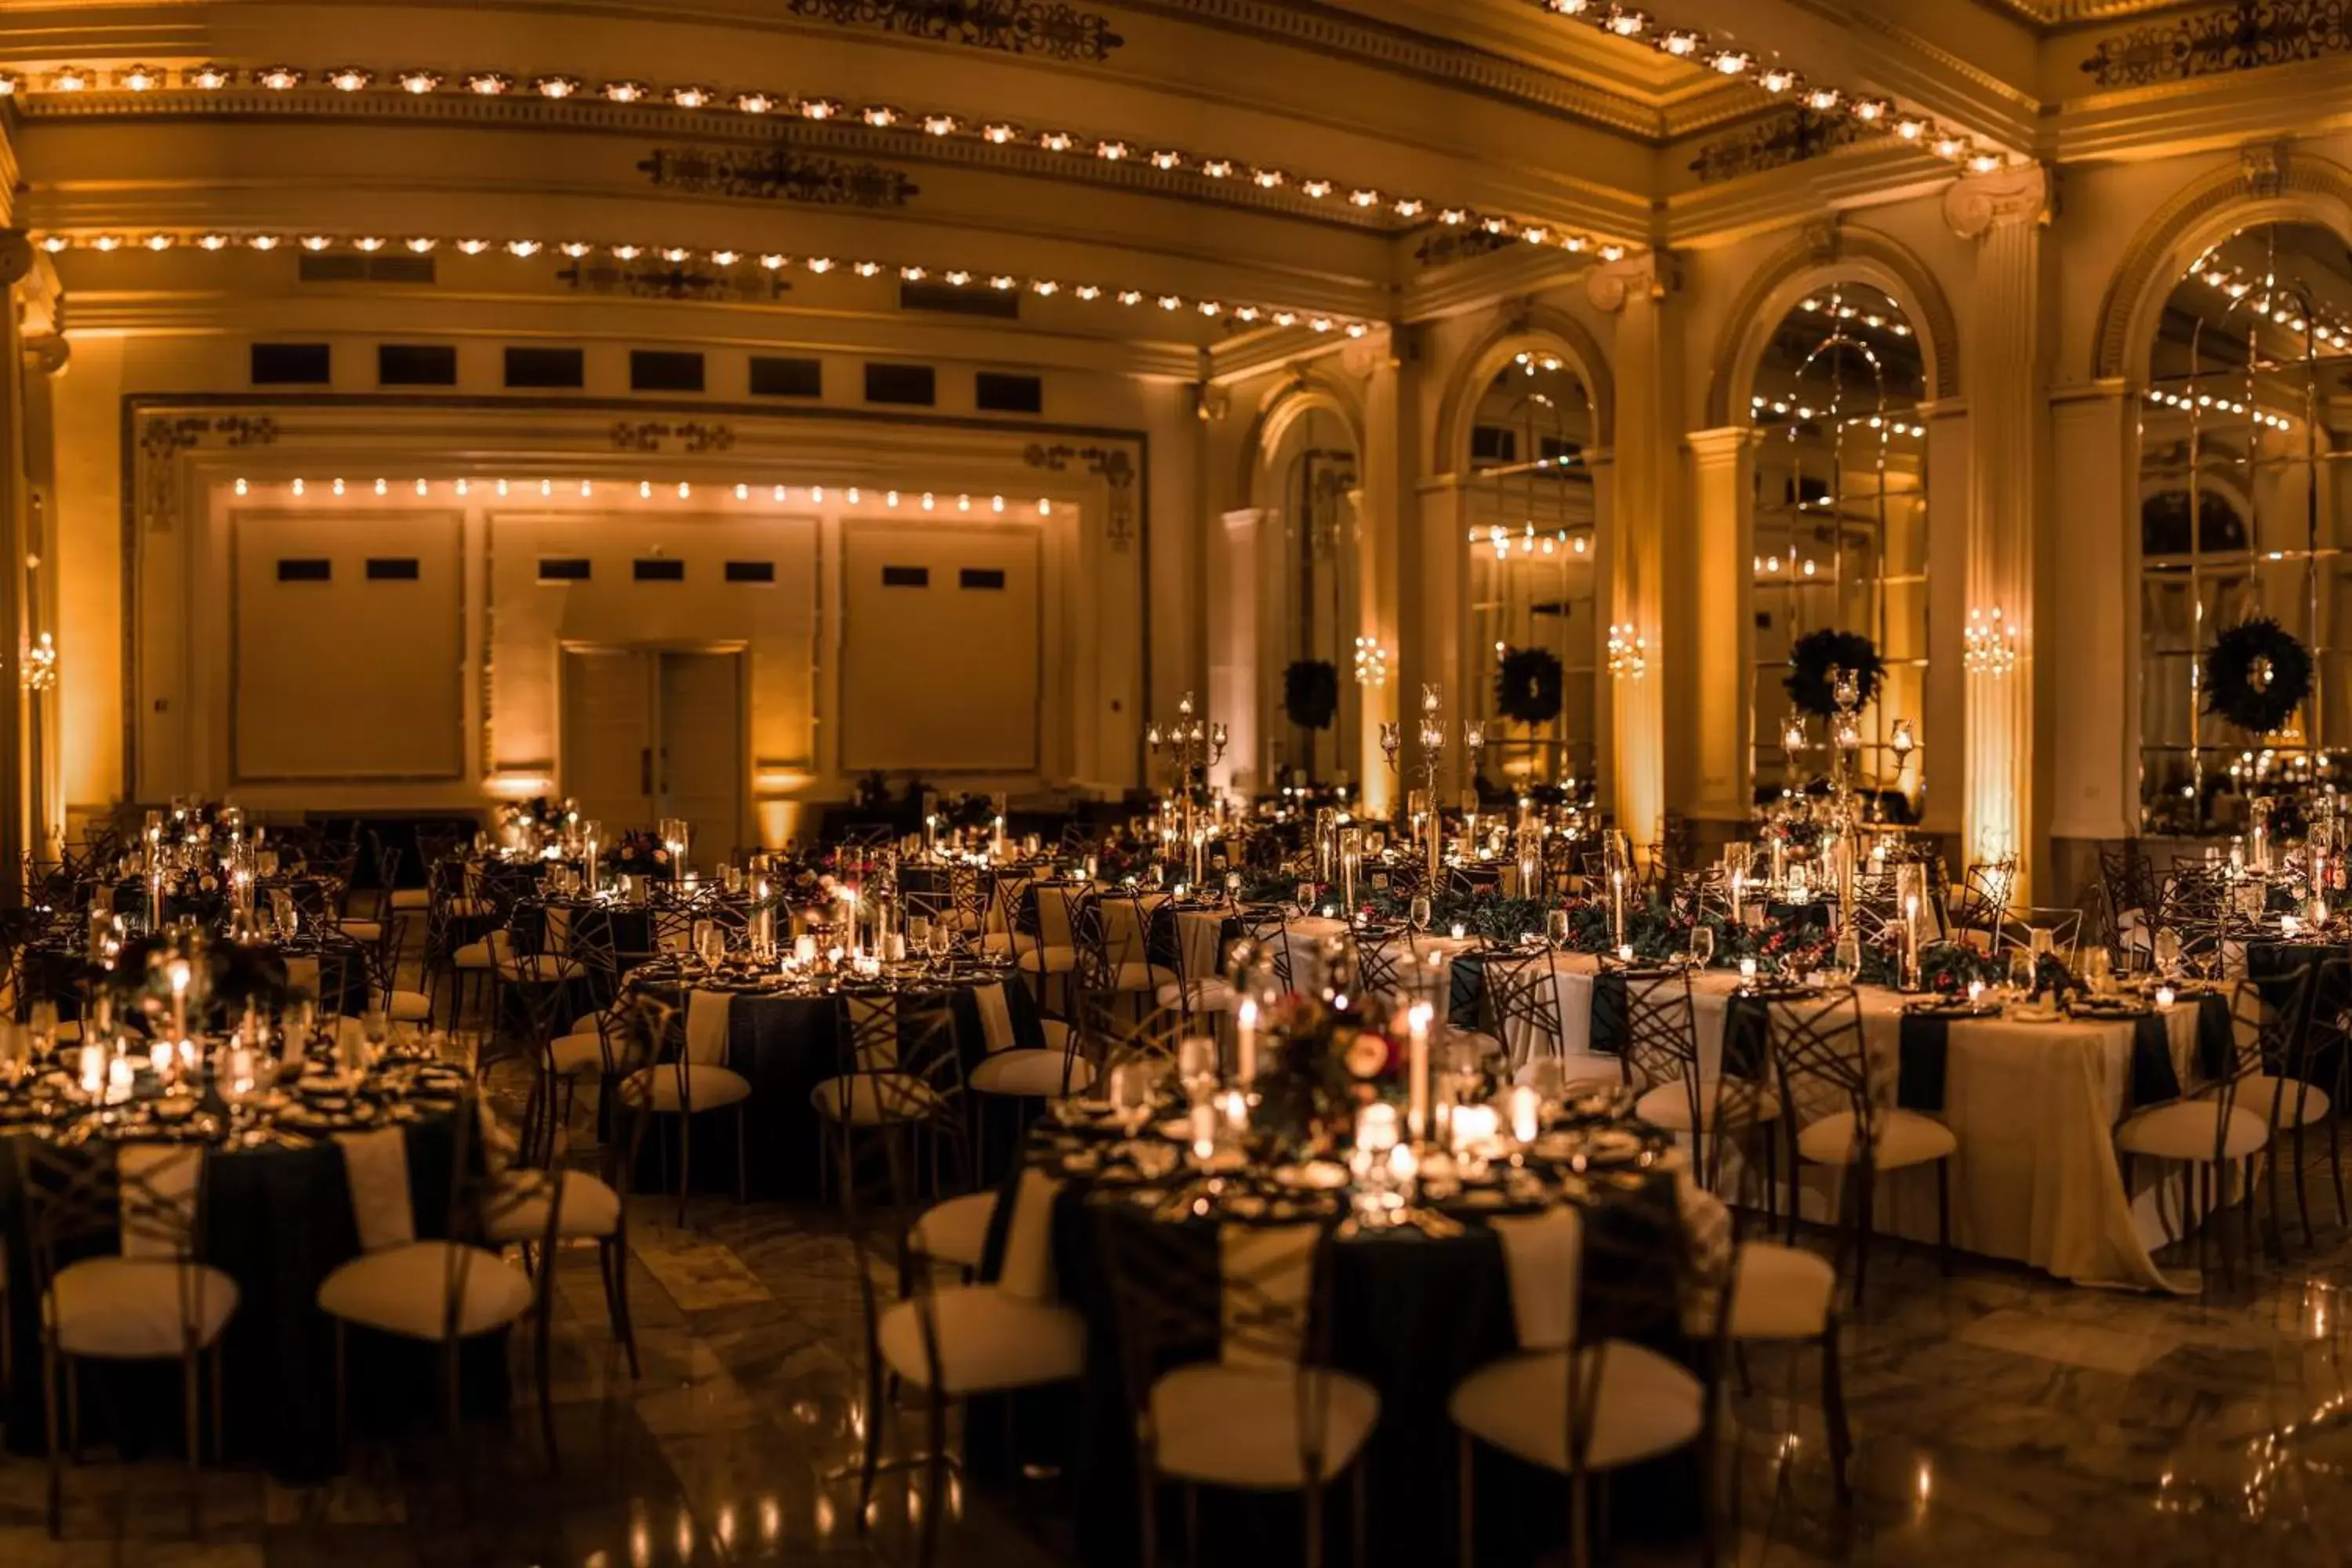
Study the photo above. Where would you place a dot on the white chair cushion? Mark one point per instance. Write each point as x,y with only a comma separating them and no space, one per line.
1239,1427
2187,1130
408,1006
133,1308
996,943
1905,1137
405,1289
1048,960
536,966
519,1213
585,1024
468,909
1645,1406
1778,1293
987,1341
410,899
708,1087
579,1053
362,931
2302,1104
1212,996
871,1098
957,1230
473,955
1032,1073
1667,1106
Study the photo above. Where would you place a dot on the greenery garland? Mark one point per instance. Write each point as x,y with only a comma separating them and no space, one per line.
1815,659
2256,675
1528,686
1310,692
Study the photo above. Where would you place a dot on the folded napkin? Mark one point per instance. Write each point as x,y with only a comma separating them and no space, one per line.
376,1165
707,1018
1027,1272
1540,1255
158,1197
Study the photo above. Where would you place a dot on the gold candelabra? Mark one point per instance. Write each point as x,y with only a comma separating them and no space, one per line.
1432,757
1196,743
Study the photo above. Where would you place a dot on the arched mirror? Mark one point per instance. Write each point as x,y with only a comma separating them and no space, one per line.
2241,521
1841,531
1314,471
1534,574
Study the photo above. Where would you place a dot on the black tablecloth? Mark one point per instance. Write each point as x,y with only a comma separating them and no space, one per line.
1413,1316
277,1221
786,1046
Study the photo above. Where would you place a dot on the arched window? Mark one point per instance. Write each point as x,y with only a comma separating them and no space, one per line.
1316,469
1841,542
2237,432
1535,569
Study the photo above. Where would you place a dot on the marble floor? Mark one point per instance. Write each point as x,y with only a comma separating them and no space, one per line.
1999,1417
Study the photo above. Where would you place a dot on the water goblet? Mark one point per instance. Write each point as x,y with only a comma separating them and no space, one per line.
1702,945
1417,912
1556,928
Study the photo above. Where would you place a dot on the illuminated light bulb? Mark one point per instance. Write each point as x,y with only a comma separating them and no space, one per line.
1628,24
298,487
1910,129
555,86
912,274
926,501
1776,78
999,133
1365,198
754,103
262,241
417,82
958,278
820,264
685,490
626,91
1285,318
381,488
938,124
1088,291
692,95
501,487
1267,179
1320,324
240,487
211,78
1044,507
473,247
212,241
1821,99
1002,283
891,498
157,242
421,243
779,496
350,79
1056,140
586,490
820,108
575,248
853,495
1453,218
1871,110
1047,286
1984,163
277,78
316,241
1567,7
547,487
1246,313
964,503
1729,62
1612,253
1217,168
1535,235
1111,152
522,247
1171,301
881,116
1357,328
368,242
996,504
1950,147
1409,206
142,79
1496,225
489,84
645,489
1165,159
461,487
339,486
774,261
743,492
421,487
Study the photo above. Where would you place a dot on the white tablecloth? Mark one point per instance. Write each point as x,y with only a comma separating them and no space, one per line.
2034,1104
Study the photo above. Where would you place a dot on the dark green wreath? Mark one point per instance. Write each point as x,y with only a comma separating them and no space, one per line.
2256,675
1310,692
1528,686
1812,664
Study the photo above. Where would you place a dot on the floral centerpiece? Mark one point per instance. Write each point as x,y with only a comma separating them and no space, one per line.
640,852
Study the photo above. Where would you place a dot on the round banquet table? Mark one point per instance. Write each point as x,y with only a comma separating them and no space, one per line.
54,971
1414,1313
278,1219
785,1044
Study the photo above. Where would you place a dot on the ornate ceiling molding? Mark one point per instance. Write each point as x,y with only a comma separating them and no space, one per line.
2247,36
1047,28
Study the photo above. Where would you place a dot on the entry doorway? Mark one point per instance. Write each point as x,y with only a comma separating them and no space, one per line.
650,732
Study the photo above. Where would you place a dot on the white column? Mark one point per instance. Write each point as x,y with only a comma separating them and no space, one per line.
2093,740
2002,363
1235,687
1721,625
1642,499
1389,472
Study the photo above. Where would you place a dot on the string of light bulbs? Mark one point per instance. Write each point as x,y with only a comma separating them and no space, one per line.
723,258
547,488
1781,81
931,125
2276,305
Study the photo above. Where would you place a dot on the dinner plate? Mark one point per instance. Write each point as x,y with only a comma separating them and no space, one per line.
1313,1175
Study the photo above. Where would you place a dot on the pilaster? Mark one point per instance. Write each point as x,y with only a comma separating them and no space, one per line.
1720,627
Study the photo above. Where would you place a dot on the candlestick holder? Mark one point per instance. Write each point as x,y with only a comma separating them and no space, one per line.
1194,744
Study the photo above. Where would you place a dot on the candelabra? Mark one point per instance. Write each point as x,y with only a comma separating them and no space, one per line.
1197,744
1988,644
1432,757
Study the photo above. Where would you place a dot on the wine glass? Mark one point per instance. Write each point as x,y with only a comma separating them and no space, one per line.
942,940
1196,1068
1417,912
1556,928
1848,955
2020,971
918,932
2098,970
2167,951
1702,945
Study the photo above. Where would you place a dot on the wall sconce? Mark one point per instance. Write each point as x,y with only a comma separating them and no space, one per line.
1792,732
1629,652
1902,743
1991,646
41,672
1371,662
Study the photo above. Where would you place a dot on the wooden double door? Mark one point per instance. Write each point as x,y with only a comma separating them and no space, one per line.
655,732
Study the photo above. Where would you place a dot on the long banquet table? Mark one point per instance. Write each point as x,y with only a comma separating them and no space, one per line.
2034,1103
